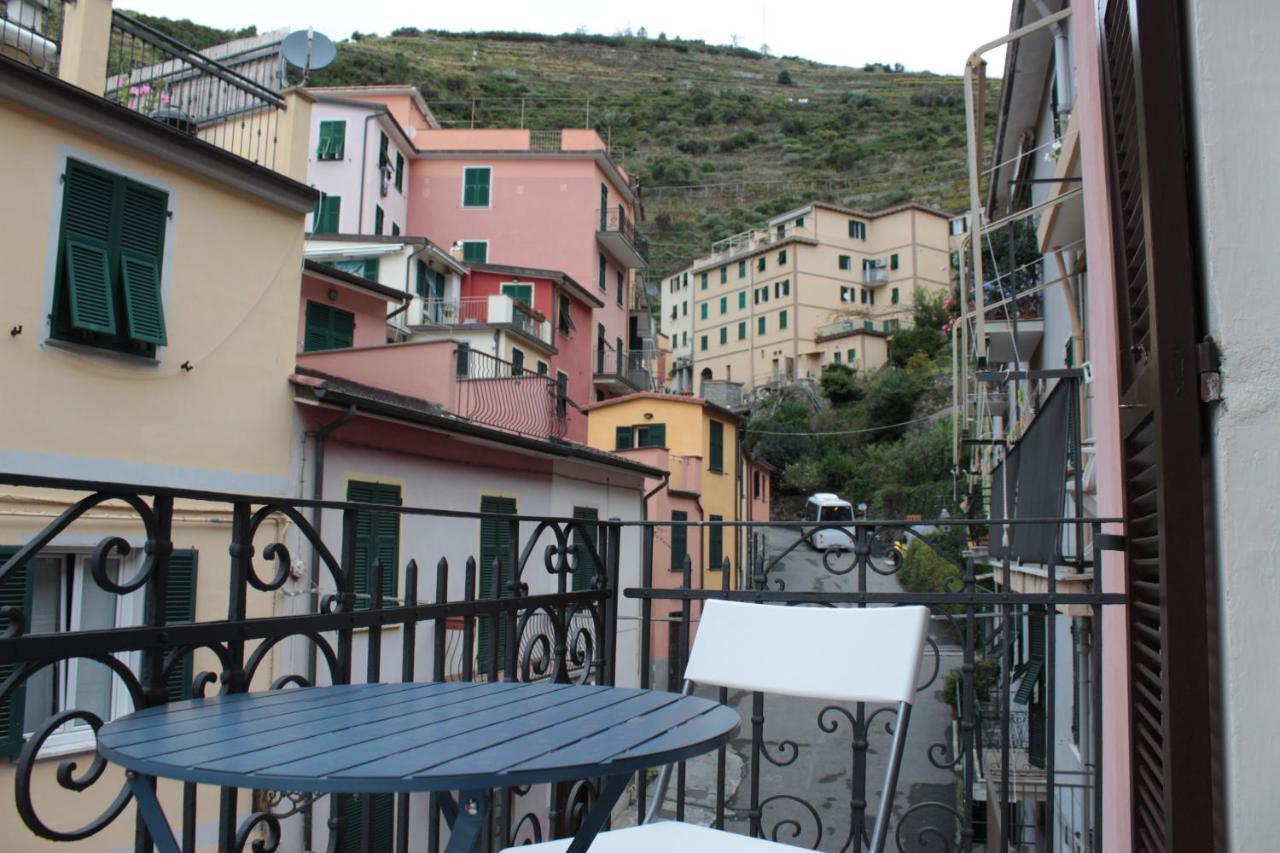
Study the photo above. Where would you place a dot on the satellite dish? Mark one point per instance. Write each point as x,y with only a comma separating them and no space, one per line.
308,50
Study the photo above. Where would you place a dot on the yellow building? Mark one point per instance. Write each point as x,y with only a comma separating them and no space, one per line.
152,272
705,463
818,285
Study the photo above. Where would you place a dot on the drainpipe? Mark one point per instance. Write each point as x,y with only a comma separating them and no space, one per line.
1061,59
364,162
408,273
644,505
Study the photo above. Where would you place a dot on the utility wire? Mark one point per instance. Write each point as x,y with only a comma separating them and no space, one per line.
751,431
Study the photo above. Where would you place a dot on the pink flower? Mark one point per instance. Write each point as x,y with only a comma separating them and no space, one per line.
164,97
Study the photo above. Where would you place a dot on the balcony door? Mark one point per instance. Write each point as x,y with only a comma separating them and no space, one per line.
1174,740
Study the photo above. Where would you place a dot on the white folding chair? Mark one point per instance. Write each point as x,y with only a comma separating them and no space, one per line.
843,654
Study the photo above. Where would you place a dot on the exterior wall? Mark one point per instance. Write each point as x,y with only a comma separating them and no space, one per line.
370,309
230,284
544,213
1231,129
421,369
356,176
758,502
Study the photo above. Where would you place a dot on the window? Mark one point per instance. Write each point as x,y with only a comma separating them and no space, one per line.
399,171
702,311
760,325
742,299
836,357
760,263
864,296
585,542
517,361
799,221
724,305
651,435
110,254
421,279
684,308
475,186
782,257
542,368
893,262
848,294
886,325
893,297
782,319
852,355
565,321
377,537
715,544
742,269
724,335
495,552
366,268
333,136
384,160
857,230
395,230
327,327
724,274
622,286
872,298
703,343
755,485
377,219
519,292
716,455
869,325
475,251
463,366
679,540
742,330
782,288
326,217
845,262
624,438
704,281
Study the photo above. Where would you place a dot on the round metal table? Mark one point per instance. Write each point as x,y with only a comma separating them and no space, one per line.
404,738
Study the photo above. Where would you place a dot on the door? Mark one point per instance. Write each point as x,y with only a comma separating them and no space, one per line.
1170,577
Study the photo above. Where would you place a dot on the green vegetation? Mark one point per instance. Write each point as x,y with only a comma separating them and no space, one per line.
189,33
986,674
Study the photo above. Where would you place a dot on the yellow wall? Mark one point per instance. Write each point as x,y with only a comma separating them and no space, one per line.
688,425
231,279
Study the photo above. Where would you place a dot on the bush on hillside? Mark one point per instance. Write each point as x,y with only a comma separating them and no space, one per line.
784,77
841,385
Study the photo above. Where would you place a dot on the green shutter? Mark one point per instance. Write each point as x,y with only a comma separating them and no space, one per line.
475,191
382,812
703,311
760,325
724,274
742,269
742,299
585,572
520,293
517,361
15,591
370,269
327,328
89,285
623,438
328,215
377,537
717,446
782,319
658,435
179,609
142,223
893,262
1028,694
476,251
679,540
894,296
332,144
724,335
377,219
715,544
760,263
420,279
384,159
742,330
399,171
494,546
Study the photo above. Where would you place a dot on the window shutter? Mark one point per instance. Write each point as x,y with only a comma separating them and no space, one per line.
420,279
377,537
475,191
493,546
717,446
679,541
475,251
399,171
180,608
89,285
585,573
143,304
382,814
624,438
715,545
377,219
384,158
15,591
370,269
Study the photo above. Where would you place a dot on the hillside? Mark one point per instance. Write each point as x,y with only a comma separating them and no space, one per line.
721,137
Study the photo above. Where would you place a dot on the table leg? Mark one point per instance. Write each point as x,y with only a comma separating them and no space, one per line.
599,813
469,820
152,815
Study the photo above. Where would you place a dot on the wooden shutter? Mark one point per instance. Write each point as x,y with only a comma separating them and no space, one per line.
377,219
1174,740
494,545
143,213
332,140
180,608
383,145
679,540
330,214
476,251
716,462
585,572
624,438
382,813
15,591
88,209
399,171
475,191
1030,692
715,544
377,537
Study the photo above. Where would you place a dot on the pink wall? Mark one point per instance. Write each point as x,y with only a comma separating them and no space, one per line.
473,139
371,311
482,283
574,359
580,140
1117,829
758,508
420,369
402,108
544,213
359,166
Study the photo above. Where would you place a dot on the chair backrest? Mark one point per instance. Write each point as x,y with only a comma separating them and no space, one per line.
852,654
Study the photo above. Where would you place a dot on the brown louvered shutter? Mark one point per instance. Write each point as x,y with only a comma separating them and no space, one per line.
1173,737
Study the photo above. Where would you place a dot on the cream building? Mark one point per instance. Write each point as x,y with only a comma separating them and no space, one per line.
818,285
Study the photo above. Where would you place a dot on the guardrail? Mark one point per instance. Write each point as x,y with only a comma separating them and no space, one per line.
31,31
499,393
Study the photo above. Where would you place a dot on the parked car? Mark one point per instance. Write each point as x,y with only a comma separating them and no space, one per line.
827,508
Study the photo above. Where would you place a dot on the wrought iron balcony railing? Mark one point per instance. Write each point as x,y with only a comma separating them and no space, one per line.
30,31
617,232
564,599
509,396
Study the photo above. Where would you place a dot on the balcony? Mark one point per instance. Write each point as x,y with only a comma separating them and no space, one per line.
618,236
722,392
618,372
804,770
495,310
875,275
844,328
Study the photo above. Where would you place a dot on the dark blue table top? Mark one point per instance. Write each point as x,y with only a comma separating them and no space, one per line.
375,738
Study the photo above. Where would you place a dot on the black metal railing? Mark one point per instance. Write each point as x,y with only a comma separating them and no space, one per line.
32,32
158,76
528,598
615,220
509,396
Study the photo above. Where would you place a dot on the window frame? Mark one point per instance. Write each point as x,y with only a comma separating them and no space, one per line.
325,153
467,243
488,195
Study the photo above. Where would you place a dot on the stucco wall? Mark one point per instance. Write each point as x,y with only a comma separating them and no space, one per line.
357,170
370,310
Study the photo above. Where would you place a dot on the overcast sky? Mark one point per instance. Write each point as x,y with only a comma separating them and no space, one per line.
924,35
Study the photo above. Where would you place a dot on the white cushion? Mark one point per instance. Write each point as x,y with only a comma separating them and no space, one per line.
666,836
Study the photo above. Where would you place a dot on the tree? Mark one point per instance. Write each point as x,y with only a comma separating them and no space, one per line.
840,385
784,77
891,399
642,33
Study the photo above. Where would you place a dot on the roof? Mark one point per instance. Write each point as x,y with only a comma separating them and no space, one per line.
386,89
876,214
561,278
381,110
720,411
385,239
317,268
326,388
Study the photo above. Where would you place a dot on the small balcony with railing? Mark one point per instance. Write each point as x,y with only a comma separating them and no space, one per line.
474,313
618,236
617,371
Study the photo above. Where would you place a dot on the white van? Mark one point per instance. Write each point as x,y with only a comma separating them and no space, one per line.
827,508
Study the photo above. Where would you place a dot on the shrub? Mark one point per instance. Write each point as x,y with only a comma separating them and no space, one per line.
840,385
986,674
784,77
924,570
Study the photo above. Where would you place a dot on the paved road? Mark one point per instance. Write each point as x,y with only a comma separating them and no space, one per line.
819,767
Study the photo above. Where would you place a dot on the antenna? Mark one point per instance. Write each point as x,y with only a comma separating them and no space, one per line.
308,50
